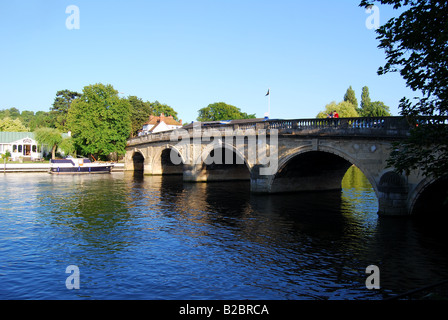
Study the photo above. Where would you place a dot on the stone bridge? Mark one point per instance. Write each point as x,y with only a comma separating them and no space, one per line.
289,156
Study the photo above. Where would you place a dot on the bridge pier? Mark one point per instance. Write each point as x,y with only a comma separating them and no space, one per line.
203,173
392,193
259,183
392,205
190,174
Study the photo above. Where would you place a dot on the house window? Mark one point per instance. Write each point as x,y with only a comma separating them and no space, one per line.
20,148
34,148
14,148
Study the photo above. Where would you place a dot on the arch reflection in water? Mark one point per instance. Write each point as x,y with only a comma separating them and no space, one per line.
296,233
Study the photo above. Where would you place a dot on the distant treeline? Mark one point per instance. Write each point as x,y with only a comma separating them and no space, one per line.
13,120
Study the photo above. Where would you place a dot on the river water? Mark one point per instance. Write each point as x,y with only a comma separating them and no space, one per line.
144,237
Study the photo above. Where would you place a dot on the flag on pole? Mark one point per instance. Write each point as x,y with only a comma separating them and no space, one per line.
269,103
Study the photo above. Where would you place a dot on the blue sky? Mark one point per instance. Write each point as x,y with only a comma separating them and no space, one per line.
189,54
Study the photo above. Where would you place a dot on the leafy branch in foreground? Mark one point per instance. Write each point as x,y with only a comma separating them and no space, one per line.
425,149
416,46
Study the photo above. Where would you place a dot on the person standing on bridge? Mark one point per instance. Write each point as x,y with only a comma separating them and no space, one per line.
336,115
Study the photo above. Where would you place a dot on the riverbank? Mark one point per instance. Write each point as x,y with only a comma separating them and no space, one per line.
40,167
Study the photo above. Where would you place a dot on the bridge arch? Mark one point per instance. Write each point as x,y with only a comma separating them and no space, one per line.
430,198
138,160
223,146
215,164
314,170
168,160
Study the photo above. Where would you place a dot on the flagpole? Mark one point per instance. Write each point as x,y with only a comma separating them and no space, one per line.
269,104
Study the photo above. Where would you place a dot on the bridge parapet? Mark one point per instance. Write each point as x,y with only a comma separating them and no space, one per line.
393,127
368,126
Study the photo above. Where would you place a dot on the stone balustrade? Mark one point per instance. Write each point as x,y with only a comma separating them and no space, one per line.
370,126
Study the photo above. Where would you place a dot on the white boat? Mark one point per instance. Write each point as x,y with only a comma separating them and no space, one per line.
78,166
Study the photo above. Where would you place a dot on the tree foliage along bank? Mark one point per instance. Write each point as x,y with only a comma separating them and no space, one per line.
348,108
100,121
140,112
416,46
14,120
53,139
219,111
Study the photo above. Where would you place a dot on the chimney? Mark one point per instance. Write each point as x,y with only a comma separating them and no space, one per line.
180,121
162,117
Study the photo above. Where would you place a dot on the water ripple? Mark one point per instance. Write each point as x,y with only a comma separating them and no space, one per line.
157,238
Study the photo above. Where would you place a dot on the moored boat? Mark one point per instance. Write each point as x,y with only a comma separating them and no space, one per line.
78,166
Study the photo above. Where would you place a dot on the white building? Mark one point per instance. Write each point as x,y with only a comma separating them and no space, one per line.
23,145
160,124
20,144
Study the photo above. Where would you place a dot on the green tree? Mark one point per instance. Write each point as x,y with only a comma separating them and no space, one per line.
375,109
26,117
140,112
6,156
221,111
61,105
100,121
351,97
365,99
372,109
159,108
11,113
68,146
50,137
42,119
345,109
12,125
416,46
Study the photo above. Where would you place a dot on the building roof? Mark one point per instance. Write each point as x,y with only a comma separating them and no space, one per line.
169,120
8,137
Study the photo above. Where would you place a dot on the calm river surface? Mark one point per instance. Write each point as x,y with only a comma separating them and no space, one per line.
158,238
